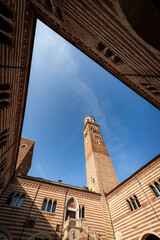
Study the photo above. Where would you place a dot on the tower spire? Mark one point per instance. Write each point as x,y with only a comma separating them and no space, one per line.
100,172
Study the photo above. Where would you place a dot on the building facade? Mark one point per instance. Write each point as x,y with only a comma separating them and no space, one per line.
111,33
37,209
121,37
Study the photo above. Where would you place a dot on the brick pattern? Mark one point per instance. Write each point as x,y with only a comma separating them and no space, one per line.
101,175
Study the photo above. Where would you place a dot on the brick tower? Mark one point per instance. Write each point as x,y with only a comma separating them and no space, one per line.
24,160
100,172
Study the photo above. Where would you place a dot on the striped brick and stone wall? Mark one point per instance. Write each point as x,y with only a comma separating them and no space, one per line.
14,219
133,224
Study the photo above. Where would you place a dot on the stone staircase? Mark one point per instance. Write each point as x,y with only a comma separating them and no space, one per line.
78,230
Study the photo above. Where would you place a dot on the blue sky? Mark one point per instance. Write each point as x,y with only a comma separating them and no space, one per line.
65,86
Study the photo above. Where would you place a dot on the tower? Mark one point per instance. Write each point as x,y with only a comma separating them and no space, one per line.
24,160
100,172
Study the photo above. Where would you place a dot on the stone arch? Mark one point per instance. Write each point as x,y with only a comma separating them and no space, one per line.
134,16
41,235
71,209
5,234
149,236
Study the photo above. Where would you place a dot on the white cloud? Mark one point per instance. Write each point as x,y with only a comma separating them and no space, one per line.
61,59
48,55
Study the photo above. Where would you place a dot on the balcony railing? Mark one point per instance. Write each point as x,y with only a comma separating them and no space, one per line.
79,223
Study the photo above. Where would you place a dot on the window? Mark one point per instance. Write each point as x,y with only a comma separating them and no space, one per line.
15,200
3,236
40,238
81,211
49,206
3,138
97,136
137,201
30,223
44,205
6,26
19,204
86,133
156,188
4,94
2,165
95,130
54,206
23,146
101,46
133,203
58,228
130,205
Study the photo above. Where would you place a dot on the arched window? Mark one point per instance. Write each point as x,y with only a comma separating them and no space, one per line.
156,188
3,236
150,236
72,210
137,201
41,237
83,212
130,205
2,165
157,185
10,198
6,11
80,211
49,206
54,206
133,203
44,205
3,135
19,204
5,39
15,200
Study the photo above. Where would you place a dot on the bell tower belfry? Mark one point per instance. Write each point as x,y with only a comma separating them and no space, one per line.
100,172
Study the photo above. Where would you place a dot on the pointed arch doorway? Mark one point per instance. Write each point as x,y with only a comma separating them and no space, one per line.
72,211
150,236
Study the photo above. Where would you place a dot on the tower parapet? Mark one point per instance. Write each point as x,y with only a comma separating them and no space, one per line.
89,119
